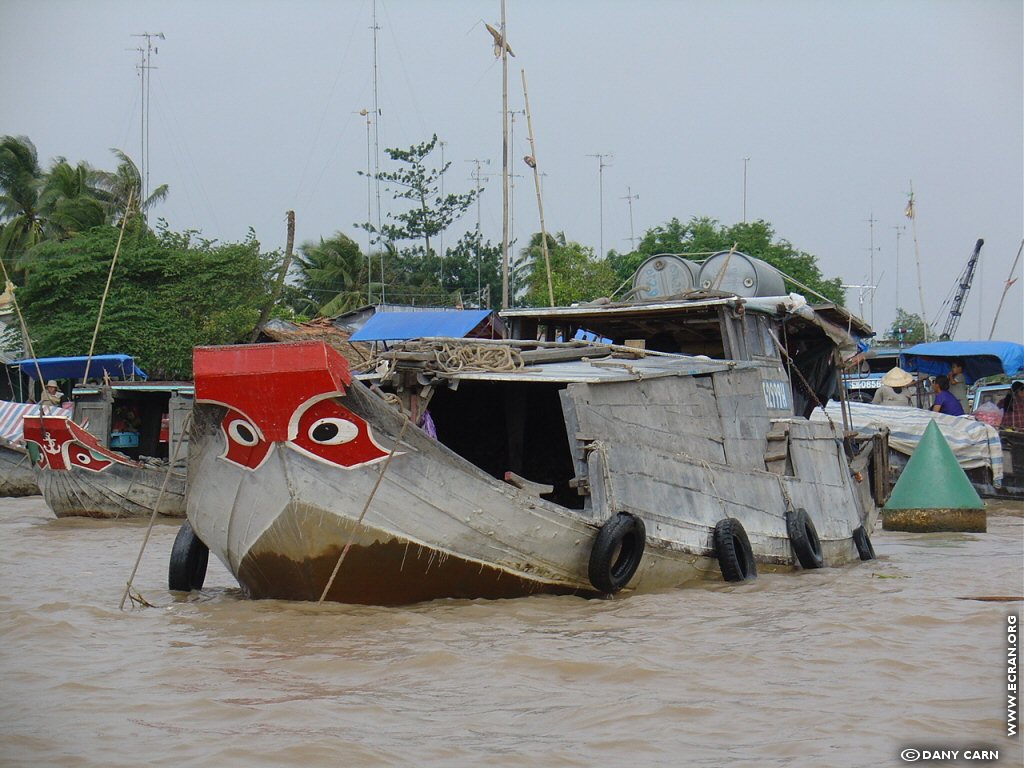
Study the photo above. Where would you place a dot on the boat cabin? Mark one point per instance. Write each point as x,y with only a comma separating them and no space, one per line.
112,398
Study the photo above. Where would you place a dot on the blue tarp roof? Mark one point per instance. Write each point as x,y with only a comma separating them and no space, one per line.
981,358
116,366
399,326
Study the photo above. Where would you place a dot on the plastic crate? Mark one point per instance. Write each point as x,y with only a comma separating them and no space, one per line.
124,439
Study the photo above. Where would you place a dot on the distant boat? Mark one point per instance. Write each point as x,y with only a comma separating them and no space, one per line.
557,467
114,457
17,477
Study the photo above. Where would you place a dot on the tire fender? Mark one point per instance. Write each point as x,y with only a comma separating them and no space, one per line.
733,550
863,542
189,558
617,552
804,538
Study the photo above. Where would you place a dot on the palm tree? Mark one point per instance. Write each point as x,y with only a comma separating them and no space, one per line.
124,185
329,275
21,181
69,202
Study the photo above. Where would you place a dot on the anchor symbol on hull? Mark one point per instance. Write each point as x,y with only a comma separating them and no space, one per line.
51,445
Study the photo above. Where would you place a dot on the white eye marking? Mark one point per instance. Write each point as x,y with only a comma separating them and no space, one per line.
83,457
333,431
241,431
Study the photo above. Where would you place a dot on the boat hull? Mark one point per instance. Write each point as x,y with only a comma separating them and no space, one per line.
16,475
80,478
412,520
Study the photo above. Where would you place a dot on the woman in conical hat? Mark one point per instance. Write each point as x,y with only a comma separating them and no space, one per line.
895,389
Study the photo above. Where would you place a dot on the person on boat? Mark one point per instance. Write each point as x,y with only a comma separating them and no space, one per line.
957,383
51,394
1013,407
944,400
895,389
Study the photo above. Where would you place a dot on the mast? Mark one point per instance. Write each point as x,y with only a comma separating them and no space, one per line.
504,162
911,213
376,144
532,162
1010,280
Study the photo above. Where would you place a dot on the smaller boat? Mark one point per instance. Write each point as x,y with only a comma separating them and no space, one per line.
992,459
122,451
17,477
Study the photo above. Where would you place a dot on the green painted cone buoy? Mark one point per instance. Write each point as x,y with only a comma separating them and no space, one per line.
933,492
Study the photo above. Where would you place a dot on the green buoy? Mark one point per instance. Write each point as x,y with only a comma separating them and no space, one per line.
933,492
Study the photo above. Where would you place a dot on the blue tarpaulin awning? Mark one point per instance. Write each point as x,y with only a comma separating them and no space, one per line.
400,326
115,366
981,358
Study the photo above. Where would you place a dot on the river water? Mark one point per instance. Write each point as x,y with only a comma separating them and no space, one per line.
838,667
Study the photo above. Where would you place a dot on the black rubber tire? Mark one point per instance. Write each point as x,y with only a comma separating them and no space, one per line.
804,538
863,542
189,558
617,552
733,550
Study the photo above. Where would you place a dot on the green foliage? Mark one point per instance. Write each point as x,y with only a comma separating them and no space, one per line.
170,292
704,236
907,328
331,276
575,274
429,213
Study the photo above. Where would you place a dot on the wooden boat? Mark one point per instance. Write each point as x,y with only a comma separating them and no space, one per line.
981,359
17,477
583,470
121,453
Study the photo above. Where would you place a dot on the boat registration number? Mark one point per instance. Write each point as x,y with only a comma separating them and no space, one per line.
776,395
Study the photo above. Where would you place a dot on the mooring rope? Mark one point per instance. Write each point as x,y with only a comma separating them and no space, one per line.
406,420
106,289
152,518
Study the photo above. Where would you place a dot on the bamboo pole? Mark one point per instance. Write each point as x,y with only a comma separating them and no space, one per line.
1009,282
536,183
279,286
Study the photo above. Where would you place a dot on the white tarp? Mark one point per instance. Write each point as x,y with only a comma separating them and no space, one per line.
974,443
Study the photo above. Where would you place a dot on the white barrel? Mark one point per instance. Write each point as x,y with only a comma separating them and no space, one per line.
665,275
737,273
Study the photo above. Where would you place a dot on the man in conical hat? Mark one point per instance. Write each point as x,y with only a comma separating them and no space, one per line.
896,388
52,394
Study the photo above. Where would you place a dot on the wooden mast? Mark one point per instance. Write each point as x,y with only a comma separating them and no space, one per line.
504,161
536,182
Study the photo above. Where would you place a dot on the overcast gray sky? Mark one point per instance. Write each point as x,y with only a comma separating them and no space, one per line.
839,106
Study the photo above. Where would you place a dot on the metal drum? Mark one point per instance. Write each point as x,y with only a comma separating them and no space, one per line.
740,274
665,275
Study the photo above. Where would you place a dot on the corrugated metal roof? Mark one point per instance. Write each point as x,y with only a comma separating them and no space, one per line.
400,326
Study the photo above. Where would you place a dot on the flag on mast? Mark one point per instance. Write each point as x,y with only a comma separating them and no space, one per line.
909,210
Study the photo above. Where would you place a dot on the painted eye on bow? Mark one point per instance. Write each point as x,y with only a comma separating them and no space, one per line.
82,456
244,433
333,431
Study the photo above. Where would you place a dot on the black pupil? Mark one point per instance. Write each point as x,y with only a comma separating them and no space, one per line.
245,434
324,432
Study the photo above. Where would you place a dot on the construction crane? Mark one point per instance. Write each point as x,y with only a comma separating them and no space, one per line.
963,287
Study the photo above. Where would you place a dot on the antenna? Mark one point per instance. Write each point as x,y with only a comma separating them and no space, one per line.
145,65
376,144
871,251
861,290
630,197
900,229
601,164
476,176
745,161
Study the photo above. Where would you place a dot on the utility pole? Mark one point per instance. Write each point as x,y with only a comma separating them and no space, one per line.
630,197
900,229
871,279
601,164
745,161
145,67
376,144
476,176
369,211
